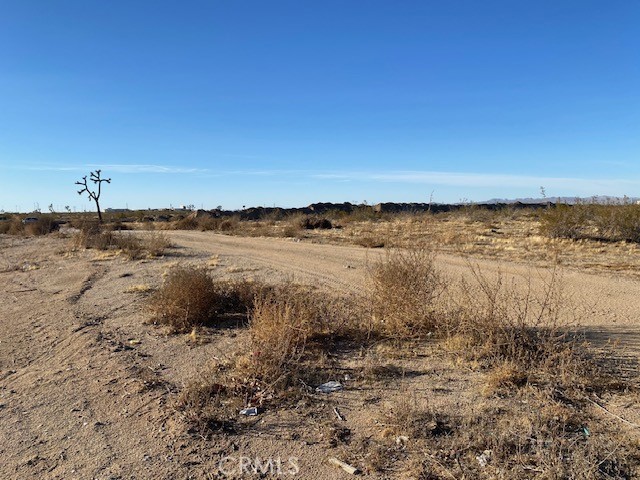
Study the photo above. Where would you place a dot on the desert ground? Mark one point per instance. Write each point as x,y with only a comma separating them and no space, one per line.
88,385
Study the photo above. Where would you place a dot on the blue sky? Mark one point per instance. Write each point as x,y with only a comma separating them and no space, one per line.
270,102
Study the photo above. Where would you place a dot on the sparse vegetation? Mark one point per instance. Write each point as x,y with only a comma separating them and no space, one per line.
29,226
470,376
93,236
619,221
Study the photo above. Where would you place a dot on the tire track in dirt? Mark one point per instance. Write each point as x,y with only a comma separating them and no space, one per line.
68,395
338,268
87,285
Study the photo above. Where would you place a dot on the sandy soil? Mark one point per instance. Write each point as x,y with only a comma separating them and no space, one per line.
86,387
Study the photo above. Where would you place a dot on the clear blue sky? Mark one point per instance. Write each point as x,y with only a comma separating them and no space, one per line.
269,102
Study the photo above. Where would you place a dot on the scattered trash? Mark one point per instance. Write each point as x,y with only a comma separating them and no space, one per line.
402,440
338,414
135,341
484,458
586,431
344,466
250,411
329,387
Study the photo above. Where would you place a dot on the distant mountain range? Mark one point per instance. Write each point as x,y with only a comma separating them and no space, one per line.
603,199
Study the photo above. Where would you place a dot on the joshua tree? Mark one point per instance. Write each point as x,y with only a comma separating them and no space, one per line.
95,178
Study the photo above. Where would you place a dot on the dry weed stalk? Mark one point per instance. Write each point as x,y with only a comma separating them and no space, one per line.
406,289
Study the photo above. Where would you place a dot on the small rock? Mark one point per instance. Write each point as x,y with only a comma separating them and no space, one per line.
484,458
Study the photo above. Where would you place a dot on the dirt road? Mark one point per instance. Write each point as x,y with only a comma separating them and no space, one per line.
611,301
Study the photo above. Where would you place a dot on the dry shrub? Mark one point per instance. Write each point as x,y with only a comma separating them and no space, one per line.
12,226
209,406
43,226
485,320
117,226
155,243
290,328
93,236
291,231
619,222
615,221
505,378
90,235
408,416
283,321
496,323
406,288
369,241
207,223
188,223
237,296
281,324
314,222
187,298
565,221
130,245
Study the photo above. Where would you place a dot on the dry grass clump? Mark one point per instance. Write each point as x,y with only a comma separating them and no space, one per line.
189,298
543,434
280,325
187,223
207,223
154,244
408,416
208,405
43,226
11,226
543,438
93,236
406,289
289,325
14,226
